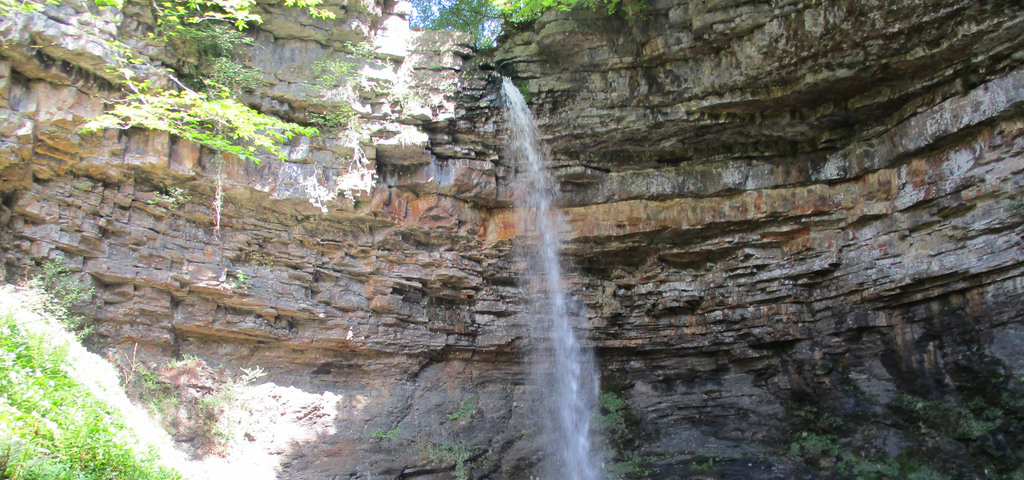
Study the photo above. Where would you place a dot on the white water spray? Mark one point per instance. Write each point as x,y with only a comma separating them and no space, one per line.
568,371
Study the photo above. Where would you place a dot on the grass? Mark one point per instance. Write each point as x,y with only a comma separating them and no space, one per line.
62,412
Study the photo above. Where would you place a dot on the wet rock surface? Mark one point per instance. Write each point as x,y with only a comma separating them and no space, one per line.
789,223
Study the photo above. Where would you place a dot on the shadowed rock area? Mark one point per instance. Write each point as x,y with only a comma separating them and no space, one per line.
796,226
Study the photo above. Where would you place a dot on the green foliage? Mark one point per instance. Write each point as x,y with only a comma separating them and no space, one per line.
612,421
329,75
708,464
174,197
228,75
631,465
207,40
239,281
259,260
813,447
333,73
956,422
206,34
480,18
625,459
172,14
11,7
814,419
336,118
483,18
865,468
389,435
528,10
64,292
467,408
451,453
222,124
1017,204
53,426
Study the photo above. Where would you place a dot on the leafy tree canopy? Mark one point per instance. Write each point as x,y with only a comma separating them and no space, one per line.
207,113
484,18
172,13
481,18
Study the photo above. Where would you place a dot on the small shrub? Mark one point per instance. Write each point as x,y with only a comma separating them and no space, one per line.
867,468
863,468
200,41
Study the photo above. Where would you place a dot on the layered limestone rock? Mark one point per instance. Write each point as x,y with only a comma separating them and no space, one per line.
790,222
383,303
794,212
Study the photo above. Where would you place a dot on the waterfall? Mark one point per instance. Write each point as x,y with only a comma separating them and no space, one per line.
565,369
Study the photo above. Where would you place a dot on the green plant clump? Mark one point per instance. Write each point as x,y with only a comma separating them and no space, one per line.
389,435
333,73
466,409
340,117
957,422
625,458
175,197
612,421
239,281
53,425
814,447
63,293
450,453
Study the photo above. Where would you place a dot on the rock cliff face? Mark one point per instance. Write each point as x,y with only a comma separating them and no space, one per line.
793,224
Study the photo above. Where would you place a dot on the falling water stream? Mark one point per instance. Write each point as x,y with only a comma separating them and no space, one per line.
566,370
